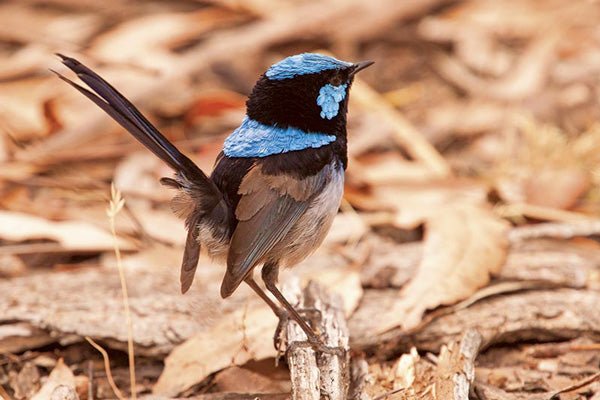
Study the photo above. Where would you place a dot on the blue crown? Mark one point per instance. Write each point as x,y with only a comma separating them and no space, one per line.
303,64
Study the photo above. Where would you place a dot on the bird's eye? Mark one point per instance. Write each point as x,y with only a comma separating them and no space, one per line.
336,80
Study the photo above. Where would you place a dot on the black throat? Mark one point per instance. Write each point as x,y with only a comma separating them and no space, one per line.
293,102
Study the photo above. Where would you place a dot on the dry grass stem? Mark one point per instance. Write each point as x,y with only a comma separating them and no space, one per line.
115,206
109,376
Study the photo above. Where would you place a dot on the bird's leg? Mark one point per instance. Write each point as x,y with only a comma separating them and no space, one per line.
281,314
270,273
252,283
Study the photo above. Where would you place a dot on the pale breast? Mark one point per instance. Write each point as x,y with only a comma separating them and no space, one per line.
310,230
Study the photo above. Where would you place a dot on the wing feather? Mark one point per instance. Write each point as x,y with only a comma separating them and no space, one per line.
269,207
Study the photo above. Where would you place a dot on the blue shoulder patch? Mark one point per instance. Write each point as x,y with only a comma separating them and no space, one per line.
329,99
253,139
303,64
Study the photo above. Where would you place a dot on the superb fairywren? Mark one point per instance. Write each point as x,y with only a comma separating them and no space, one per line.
278,182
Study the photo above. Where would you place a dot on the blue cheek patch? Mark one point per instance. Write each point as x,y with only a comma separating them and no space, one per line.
303,64
253,139
329,99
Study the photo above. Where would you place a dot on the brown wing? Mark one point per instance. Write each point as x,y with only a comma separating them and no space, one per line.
269,207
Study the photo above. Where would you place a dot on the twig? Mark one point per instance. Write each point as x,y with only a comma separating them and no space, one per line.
566,230
90,380
359,375
109,376
116,204
539,212
577,385
315,375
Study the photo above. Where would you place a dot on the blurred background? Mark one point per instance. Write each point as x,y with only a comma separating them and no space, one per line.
472,193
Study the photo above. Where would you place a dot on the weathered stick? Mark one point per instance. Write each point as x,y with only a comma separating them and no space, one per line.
456,367
315,375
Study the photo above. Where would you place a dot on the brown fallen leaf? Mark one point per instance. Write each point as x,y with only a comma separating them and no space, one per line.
464,244
26,382
46,26
20,336
243,380
527,78
557,188
27,60
412,203
25,108
72,235
60,384
147,41
243,336
139,174
388,167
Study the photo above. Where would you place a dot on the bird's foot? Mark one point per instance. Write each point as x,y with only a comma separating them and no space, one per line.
280,336
313,340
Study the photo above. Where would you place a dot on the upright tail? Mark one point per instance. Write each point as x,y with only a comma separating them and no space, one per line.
190,178
129,117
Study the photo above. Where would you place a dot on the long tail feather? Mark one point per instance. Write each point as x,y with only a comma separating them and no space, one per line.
129,117
189,177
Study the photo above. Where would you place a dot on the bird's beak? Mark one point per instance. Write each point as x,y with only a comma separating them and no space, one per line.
359,66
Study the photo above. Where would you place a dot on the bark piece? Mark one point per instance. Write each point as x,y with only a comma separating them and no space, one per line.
72,235
313,375
413,377
21,336
546,261
541,315
456,367
87,303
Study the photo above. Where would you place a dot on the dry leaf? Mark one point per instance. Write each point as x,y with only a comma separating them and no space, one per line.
413,203
24,105
464,244
389,167
26,382
556,187
59,386
45,26
72,235
139,174
527,78
242,380
147,41
245,335
346,227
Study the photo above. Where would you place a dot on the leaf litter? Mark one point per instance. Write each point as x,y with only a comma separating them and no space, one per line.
467,251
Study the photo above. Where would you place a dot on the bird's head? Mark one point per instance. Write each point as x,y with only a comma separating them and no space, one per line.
306,91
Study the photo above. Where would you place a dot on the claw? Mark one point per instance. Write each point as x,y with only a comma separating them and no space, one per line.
280,336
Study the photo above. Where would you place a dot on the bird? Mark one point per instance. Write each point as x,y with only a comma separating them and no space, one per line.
275,187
